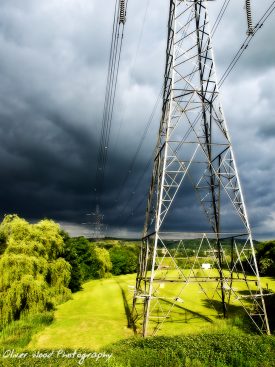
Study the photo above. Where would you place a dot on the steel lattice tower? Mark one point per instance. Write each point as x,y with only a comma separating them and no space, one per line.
98,225
194,155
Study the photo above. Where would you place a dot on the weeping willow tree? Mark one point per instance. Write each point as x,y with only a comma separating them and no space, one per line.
33,275
100,262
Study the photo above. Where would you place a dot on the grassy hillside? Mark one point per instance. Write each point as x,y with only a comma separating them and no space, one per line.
99,315
94,317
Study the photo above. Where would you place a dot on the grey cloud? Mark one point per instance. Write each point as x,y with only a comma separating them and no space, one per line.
267,131
52,81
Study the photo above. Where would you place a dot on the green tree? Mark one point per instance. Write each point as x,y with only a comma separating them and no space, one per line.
88,261
81,247
101,264
33,275
70,255
124,260
266,258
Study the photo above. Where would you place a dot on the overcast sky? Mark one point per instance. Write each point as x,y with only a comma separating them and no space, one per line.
53,66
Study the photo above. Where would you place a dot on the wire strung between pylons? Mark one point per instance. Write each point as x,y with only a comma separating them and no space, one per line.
219,17
225,75
133,161
133,62
110,94
246,43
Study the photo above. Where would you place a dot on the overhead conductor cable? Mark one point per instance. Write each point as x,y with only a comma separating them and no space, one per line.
110,94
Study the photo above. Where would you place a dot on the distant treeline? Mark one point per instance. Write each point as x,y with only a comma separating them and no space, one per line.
265,253
40,265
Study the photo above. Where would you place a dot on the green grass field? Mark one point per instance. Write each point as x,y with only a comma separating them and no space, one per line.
199,307
99,314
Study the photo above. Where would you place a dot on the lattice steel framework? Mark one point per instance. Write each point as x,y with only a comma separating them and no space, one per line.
194,150
98,226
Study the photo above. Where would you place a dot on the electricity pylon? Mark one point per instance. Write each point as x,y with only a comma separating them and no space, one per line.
98,225
202,240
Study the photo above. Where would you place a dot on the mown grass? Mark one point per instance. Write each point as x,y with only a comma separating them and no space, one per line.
94,317
201,305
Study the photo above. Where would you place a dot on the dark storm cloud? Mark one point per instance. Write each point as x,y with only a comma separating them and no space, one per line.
267,131
49,99
52,79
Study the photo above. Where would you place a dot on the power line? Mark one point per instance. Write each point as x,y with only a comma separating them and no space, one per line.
110,93
219,17
141,201
133,62
133,161
246,43
141,34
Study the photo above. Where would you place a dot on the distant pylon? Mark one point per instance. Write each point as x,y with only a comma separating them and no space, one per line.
98,226
196,232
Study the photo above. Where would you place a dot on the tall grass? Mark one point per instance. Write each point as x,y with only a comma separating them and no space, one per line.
18,333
